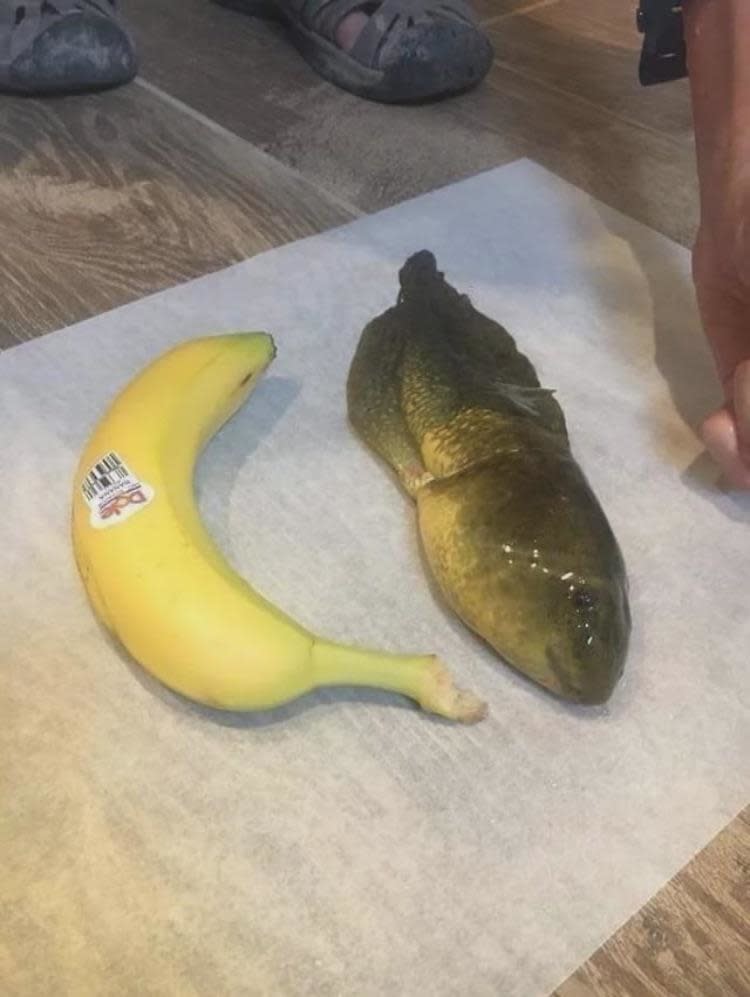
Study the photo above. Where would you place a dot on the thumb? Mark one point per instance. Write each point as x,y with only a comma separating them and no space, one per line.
720,434
741,406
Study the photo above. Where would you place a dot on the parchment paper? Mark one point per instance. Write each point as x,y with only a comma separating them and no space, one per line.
349,844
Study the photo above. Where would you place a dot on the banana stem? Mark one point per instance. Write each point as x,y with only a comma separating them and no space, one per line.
423,678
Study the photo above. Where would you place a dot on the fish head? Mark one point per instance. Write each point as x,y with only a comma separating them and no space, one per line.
566,629
585,637
567,583
530,563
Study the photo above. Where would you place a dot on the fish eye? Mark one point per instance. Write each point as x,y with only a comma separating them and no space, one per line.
584,599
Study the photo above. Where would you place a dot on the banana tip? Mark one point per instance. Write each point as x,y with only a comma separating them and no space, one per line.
443,697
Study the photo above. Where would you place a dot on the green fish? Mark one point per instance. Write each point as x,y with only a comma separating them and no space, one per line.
513,534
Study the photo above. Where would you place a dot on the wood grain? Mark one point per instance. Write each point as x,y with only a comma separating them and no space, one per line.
489,10
114,196
238,70
691,940
244,73
590,51
645,175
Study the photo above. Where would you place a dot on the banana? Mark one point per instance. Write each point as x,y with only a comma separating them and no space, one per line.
158,582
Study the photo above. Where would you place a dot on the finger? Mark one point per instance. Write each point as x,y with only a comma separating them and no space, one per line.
741,406
719,433
724,314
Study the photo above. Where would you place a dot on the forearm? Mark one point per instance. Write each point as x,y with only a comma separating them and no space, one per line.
717,35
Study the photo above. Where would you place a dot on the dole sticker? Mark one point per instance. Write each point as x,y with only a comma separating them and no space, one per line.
113,492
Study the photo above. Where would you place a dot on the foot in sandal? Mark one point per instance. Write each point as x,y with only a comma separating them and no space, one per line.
395,51
63,46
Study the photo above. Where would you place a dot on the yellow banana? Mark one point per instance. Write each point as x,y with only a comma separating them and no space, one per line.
160,585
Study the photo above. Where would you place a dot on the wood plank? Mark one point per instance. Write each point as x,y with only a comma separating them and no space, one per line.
691,940
586,50
608,22
244,73
236,70
114,196
648,176
488,10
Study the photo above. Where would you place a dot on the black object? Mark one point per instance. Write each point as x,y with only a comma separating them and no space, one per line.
409,51
663,55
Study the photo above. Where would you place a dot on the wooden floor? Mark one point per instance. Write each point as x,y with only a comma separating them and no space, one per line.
691,940
115,196
563,91
229,144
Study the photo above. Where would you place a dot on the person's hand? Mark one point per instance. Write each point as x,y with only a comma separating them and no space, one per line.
716,36
721,271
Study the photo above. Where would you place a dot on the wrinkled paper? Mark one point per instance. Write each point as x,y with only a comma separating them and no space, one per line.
349,844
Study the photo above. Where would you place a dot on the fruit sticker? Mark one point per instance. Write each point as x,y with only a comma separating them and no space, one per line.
113,492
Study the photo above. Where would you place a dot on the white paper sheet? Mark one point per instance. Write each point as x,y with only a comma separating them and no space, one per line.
350,844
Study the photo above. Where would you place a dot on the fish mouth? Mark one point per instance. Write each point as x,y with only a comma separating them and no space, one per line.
593,687
587,672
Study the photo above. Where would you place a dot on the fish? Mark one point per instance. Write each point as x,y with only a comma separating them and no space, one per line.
511,531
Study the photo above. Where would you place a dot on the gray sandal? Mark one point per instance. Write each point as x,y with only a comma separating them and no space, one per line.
63,46
409,50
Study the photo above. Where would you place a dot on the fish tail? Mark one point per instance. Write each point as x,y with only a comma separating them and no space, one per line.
419,269
422,282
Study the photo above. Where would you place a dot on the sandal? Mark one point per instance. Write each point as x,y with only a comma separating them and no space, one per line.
409,50
63,46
